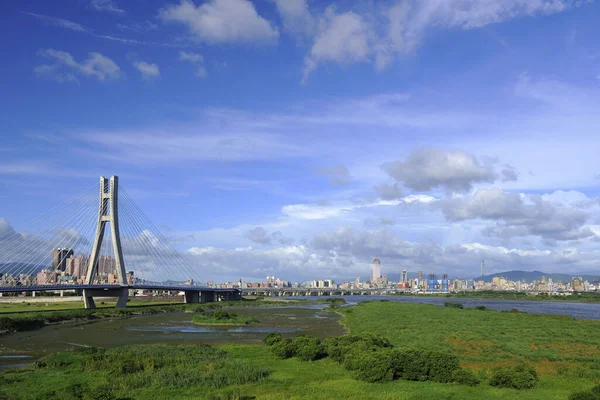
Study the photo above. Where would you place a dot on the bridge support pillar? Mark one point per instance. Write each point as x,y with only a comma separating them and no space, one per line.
121,294
191,296
207,297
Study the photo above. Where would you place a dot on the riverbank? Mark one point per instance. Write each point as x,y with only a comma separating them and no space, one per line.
563,350
24,317
222,318
580,297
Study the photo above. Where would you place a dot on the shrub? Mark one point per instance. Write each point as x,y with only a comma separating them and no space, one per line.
520,377
375,366
272,338
339,348
482,308
465,377
284,349
584,396
103,392
308,348
453,305
223,315
424,365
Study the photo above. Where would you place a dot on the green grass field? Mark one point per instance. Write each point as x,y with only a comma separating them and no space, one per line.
565,352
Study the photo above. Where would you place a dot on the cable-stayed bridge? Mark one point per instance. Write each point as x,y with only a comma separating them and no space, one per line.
101,244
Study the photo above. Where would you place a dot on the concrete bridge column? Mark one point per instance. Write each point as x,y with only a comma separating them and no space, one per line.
207,297
191,296
121,294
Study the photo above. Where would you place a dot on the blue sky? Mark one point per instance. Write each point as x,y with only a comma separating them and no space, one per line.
302,138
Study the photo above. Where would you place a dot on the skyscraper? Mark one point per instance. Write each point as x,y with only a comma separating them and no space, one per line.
404,276
376,277
59,258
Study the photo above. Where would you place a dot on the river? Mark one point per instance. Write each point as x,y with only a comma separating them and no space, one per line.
22,348
572,309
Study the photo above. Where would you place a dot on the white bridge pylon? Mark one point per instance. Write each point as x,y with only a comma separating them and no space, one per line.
108,212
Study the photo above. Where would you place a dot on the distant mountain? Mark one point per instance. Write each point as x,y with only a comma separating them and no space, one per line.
529,276
30,269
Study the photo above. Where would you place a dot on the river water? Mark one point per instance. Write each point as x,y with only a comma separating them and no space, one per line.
572,309
22,348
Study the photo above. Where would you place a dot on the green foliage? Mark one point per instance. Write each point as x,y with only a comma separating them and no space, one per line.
465,377
284,349
375,366
308,348
481,308
520,377
342,347
221,317
584,396
272,338
102,392
424,365
454,305
592,394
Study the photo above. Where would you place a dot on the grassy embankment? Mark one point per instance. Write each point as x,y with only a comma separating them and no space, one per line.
564,351
19,317
222,318
581,297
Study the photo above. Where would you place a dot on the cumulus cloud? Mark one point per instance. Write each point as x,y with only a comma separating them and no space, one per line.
342,38
401,27
378,222
148,71
221,21
196,59
338,175
107,6
296,16
345,253
66,68
261,236
453,171
517,215
389,192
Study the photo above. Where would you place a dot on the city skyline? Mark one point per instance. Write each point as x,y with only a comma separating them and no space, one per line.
322,136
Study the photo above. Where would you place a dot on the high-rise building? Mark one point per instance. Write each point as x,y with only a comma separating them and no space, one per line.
404,276
59,258
376,276
420,276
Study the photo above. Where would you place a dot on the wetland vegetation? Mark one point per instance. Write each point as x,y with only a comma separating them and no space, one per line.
394,350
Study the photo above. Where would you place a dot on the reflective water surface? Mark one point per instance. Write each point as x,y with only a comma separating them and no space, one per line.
22,348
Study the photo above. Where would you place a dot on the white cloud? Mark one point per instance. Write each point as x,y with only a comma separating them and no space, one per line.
453,171
404,25
221,21
73,26
296,16
96,65
60,22
191,57
149,71
518,215
196,59
342,38
106,5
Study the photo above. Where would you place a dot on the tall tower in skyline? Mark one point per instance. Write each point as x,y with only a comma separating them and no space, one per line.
482,268
376,276
404,276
